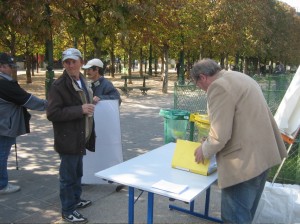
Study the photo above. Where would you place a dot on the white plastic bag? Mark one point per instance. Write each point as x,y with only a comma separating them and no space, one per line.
279,204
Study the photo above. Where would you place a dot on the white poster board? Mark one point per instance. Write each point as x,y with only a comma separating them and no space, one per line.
288,113
108,142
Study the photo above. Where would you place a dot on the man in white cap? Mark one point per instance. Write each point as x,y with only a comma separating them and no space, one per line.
70,109
102,88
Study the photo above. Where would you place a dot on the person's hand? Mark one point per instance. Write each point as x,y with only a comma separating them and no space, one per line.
88,108
199,158
96,99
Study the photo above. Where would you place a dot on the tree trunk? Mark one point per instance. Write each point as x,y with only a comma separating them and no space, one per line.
155,66
112,64
150,60
271,67
165,79
32,64
162,71
222,60
129,63
97,49
226,61
256,66
241,65
37,62
12,48
201,52
14,72
141,61
189,64
246,63
180,79
145,66
28,68
236,62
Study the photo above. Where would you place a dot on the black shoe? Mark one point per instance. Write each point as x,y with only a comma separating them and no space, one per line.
84,203
74,217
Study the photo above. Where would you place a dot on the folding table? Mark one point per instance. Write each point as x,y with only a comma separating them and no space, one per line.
143,171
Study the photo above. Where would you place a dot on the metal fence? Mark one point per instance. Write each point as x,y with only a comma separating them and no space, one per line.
274,88
188,97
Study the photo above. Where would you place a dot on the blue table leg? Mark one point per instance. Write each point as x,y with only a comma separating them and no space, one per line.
131,205
207,200
150,208
192,206
197,214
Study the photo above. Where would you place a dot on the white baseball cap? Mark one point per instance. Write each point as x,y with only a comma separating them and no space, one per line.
71,53
94,62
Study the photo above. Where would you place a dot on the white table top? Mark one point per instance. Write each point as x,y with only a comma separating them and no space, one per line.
143,171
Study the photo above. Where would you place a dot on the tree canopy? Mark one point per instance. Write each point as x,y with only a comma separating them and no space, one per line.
229,31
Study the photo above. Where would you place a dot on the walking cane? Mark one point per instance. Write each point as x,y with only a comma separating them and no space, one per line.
17,163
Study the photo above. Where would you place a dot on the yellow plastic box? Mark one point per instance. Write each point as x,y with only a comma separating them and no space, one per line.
202,124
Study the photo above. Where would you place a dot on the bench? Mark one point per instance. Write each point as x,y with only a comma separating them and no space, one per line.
125,89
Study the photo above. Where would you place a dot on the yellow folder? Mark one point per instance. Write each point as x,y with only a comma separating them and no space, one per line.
184,159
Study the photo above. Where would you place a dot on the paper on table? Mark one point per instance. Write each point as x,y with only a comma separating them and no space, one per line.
170,187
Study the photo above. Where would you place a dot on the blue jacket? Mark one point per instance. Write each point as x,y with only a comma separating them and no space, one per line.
105,90
14,101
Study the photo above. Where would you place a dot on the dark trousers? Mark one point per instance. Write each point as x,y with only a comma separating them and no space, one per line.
239,202
5,146
70,173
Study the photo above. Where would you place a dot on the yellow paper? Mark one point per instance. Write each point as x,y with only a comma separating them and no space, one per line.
184,159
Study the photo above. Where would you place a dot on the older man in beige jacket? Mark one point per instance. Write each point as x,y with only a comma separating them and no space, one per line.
243,135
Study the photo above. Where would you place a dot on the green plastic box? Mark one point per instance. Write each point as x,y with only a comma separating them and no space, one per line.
175,124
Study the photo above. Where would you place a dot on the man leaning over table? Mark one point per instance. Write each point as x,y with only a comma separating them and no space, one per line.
243,135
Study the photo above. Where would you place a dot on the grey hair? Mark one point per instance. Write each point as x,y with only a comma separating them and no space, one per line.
206,67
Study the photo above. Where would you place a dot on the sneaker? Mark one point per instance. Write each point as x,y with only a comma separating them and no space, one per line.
74,217
84,203
10,188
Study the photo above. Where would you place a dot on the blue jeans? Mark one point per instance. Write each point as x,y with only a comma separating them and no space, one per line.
5,146
70,173
239,202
